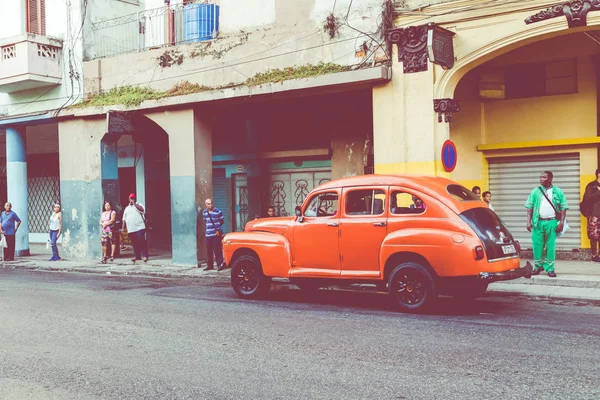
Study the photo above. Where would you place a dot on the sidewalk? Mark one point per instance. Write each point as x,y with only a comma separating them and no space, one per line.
576,280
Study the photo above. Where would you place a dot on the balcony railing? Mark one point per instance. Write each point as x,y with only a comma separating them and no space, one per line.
164,26
29,62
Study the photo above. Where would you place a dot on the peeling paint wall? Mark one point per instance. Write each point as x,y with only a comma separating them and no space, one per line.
349,156
81,186
254,36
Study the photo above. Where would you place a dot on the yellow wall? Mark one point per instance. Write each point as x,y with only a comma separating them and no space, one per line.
506,122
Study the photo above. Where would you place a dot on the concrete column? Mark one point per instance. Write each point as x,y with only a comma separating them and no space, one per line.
81,150
255,177
349,157
16,184
140,173
407,136
190,150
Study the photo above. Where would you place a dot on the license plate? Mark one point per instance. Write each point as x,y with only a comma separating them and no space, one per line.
509,249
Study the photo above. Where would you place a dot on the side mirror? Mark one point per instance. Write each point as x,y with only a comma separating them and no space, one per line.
299,214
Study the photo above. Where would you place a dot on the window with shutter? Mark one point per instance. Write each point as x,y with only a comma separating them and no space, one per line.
36,16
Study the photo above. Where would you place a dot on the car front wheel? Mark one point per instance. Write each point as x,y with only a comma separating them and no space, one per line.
247,278
411,287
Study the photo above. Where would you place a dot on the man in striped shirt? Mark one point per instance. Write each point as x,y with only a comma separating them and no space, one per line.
214,234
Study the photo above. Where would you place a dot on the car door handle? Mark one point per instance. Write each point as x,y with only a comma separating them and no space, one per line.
334,224
379,224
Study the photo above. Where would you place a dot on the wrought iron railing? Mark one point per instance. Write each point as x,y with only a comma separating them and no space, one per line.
165,26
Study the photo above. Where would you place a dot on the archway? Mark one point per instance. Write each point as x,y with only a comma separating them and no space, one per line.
136,160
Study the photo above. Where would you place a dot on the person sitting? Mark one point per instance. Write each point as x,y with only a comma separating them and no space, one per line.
417,203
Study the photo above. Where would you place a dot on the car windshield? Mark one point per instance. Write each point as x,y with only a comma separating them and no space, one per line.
461,193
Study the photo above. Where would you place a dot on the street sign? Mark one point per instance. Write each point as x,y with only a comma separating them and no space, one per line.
118,123
440,46
449,156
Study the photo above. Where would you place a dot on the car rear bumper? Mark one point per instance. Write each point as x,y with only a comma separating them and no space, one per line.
523,272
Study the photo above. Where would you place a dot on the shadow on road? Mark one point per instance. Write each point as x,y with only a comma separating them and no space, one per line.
444,306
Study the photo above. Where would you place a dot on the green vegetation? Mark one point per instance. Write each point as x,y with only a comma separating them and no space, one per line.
304,71
132,96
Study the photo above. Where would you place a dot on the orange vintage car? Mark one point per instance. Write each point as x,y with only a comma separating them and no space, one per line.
415,237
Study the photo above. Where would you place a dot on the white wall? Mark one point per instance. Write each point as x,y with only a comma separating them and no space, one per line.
12,18
63,21
254,36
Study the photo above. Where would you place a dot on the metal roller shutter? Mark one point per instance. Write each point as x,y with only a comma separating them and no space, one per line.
511,181
222,196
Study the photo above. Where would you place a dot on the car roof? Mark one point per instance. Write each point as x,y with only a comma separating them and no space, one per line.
435,186
386,180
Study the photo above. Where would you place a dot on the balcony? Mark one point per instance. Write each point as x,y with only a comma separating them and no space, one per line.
194,21
29,62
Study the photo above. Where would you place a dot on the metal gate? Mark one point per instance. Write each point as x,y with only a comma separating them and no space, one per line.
511,181
43,187
289,189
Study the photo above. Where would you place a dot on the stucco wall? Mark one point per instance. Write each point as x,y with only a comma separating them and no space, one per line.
529,119
254,36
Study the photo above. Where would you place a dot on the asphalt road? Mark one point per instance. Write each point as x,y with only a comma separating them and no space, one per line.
76,336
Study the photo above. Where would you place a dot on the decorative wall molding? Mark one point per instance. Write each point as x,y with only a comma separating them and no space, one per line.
412,47
575,11
445,108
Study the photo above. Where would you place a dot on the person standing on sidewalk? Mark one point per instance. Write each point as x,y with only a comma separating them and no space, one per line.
590,208
108,241
487,199
546,213
213,217
8,219
133,221
55,230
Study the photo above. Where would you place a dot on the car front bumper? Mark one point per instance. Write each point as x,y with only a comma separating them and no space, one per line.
523,272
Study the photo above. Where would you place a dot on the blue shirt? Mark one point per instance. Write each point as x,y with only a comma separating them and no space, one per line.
214,225
8,222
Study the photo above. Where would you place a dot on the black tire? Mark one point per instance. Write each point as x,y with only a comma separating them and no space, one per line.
470,292
411,287
247,277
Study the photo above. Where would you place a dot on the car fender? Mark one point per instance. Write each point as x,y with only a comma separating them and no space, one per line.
273,250
447,248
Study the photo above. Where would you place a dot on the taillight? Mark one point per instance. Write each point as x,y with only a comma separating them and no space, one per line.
518,246
479,253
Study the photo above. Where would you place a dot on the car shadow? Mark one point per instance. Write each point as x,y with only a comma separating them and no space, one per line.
377,301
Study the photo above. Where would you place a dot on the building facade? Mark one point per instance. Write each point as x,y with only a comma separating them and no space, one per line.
521,97
252,103
255,103
40,73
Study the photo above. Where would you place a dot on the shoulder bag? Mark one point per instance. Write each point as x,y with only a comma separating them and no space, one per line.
218,230
566,226
145,218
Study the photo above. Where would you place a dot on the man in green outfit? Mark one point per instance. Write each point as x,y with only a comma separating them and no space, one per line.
544,221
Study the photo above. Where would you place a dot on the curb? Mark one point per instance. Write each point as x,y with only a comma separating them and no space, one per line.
148,274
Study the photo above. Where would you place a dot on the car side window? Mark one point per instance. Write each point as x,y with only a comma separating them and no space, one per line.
365,202
322,205
406,203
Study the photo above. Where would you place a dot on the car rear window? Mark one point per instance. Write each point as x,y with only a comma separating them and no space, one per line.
461,193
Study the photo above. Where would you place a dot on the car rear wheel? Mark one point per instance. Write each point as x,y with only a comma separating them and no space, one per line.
247,278
411,287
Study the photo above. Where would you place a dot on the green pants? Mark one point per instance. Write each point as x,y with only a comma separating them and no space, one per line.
544,238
